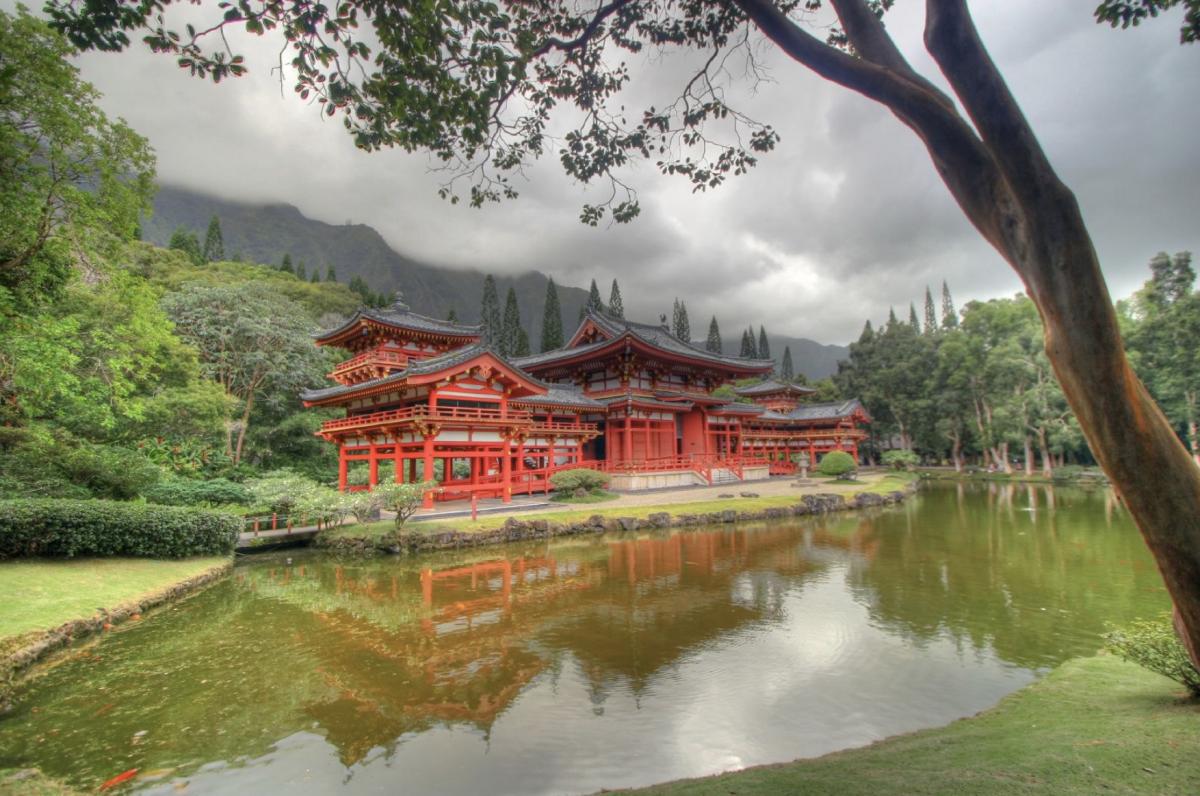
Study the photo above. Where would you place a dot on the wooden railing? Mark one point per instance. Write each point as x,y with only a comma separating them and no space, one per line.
374,357
563,427
472,414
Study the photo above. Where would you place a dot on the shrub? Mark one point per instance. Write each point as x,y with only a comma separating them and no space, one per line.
184,492
837,464
582,478
1153,644
900,460
404,499
109,528
280,491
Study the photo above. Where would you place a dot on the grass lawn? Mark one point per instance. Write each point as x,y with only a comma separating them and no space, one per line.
890,482
1094,725
41,594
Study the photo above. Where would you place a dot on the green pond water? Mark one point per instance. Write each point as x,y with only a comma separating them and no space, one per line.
589,663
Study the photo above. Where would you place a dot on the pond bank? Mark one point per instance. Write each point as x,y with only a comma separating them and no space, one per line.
51,603
1092,725
745,507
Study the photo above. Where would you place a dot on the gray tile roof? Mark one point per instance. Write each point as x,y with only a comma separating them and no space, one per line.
398,314
826,411
772,386
558,353
616,400
561,395
739,409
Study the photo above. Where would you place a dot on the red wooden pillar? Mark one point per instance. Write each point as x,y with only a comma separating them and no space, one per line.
646,436
427,472
343,467
373,479
628,442
550,451
398,464
506,473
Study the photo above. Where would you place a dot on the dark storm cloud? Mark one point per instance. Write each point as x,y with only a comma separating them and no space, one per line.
845,219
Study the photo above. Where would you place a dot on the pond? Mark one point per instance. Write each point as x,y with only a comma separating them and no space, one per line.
589,663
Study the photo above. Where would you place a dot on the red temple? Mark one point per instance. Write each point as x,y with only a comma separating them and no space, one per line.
427,400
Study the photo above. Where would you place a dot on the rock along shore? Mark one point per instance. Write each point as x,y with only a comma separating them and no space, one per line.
519,530
35,647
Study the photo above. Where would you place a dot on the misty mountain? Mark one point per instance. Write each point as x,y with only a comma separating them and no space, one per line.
264,233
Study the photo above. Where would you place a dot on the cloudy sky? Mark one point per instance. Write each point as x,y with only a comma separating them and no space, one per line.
844,219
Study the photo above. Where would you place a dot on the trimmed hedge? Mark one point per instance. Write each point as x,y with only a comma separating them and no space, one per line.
182,492
109,528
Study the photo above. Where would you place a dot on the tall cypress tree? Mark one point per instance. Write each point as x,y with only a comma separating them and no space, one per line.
764,348
184,240
330,274
452,316
301,273
713,343
214,243
683,329
489,313
747,351
949,315
522,349
892,320
552,330
931,324
616,307
913,321
315,278
511,331
786,371
594,304
285,264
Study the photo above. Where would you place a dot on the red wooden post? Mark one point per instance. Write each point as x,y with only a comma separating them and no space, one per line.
474,507
427,474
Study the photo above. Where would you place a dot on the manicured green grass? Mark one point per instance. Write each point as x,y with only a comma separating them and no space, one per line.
1094,725
890,482
41,594
599,496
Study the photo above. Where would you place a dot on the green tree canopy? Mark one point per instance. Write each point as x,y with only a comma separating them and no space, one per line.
510,333
616,307
214,242
489,313
787,371
713,341
552,327
764,348
184,240
594,304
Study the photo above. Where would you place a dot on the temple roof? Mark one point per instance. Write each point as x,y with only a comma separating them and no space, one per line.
651,335
738,409
400,316
771,386
422,367
826,411
561,395
645,402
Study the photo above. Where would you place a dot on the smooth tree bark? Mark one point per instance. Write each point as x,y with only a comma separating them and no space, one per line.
996,170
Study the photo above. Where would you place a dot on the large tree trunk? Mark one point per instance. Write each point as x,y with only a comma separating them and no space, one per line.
1028,455
997,172
1044,454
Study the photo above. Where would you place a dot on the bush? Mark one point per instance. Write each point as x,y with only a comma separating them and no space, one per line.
183,492
582,478
404,499
1153,645
900,460
109,528
837,464
280,491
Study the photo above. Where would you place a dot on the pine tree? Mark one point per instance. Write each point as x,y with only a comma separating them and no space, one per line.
511,331
931,323
764,348
301,274
747,351
949,315
489,313
683,329
522,349
184,240
315,278
452,316
786,371
892,320
616,307
285,264
594,304
214,243
674,316
868,333
713,343
913,320
330,274
753,344
552,330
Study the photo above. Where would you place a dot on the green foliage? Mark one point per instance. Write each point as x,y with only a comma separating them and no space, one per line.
900,459
1126,13
214,242
43,460
403,499
108,528
764,347
594,304
679,322
616,307
713,341
570,481
186,492
837,464
184,240
949,314
1154,645
552,328
510,331
280,491
63,163
489,313
931,322
748,350
787,371
523,348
